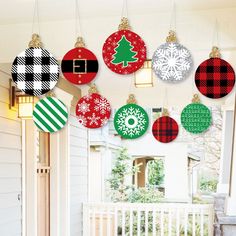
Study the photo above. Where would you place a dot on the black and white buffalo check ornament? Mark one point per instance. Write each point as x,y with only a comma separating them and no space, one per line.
35,71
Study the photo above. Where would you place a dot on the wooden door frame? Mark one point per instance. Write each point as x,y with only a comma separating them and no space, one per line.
59,177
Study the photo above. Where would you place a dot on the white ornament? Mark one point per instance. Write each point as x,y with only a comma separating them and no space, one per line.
172,62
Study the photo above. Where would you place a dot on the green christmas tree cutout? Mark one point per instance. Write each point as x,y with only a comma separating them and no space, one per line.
124,53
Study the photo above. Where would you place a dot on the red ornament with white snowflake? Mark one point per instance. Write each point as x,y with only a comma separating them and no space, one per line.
124,52
93,111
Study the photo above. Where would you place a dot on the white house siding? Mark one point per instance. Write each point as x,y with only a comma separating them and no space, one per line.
10,164
78,174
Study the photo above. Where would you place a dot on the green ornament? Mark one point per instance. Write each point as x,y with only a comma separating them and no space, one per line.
124,52
131,121
196,118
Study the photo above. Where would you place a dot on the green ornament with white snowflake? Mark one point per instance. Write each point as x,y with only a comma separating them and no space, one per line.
196,118
131,121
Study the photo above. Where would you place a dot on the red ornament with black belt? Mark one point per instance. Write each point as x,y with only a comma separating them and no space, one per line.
79,65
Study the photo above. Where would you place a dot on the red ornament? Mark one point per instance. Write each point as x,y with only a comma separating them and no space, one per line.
165,129
124,52
79,66
215,78
93,111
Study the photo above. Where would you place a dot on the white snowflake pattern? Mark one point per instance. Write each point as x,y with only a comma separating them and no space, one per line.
93,119
135,114
172,62
82,120
104,121
102,105
114,43
83,107
87,97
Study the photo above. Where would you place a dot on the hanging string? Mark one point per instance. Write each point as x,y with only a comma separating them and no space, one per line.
173,17
215,36
78,30
124,12
36,15
165,99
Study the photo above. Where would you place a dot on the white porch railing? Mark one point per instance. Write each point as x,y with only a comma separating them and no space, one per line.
112,219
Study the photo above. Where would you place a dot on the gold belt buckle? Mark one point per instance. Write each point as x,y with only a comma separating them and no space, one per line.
78,66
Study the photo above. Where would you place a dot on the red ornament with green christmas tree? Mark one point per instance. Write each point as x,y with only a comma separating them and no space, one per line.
124,52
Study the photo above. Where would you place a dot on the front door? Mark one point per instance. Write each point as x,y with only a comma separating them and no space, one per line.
43,184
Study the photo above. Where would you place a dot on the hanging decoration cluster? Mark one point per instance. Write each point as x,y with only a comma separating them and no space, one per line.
36,72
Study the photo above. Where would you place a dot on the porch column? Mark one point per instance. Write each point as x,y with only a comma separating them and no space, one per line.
62,152
230,208
226,151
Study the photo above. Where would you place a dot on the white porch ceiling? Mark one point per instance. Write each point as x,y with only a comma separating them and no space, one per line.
19,11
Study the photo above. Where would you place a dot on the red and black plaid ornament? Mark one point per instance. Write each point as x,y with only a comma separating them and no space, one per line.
215,77
79,65
165,129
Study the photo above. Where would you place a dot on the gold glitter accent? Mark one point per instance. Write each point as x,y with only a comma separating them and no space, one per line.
80,43
35,41
171,38
215,53
131,99
124,24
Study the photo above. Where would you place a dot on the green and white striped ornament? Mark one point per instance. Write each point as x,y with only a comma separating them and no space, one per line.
50,114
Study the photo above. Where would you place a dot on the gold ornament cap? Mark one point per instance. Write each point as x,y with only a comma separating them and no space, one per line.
35,41
131,99
171,38
80,43
215,52
124,24
196,99
93,89
165,112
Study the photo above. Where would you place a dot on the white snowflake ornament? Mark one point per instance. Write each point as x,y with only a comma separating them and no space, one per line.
172,62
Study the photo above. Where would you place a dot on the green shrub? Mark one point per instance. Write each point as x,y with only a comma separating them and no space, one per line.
208,185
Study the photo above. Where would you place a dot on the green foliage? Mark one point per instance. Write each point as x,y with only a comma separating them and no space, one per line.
208,185
145,195
119,191
156,172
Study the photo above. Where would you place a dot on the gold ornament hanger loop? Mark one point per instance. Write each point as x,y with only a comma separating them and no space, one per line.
131,99
196,98
171,38
165,112
80,43
50,94
124,24
92,89
215,52
35,41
